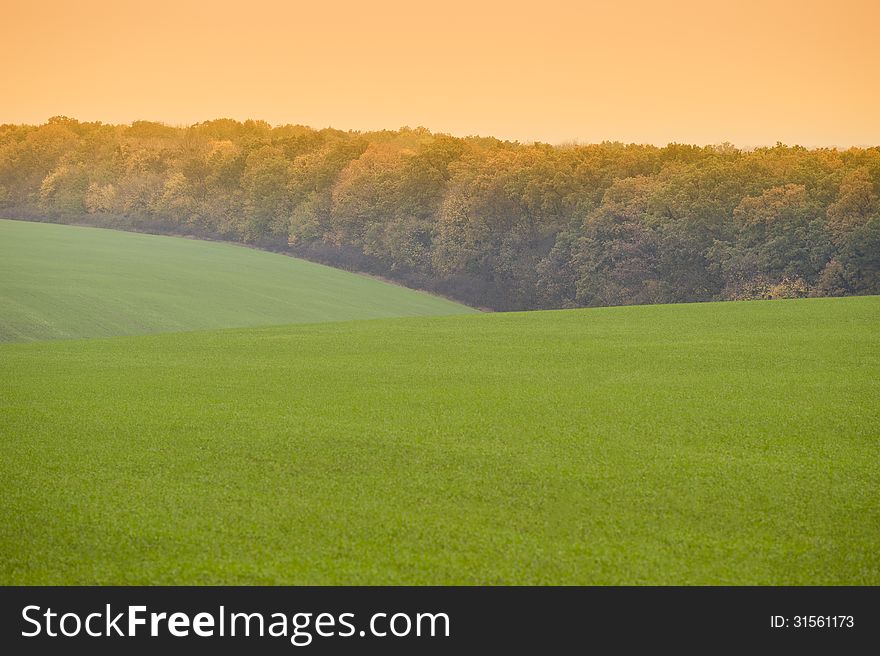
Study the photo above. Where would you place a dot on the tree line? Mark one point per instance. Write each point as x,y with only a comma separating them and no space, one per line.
493,223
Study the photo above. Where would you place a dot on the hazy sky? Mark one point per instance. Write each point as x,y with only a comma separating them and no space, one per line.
744,71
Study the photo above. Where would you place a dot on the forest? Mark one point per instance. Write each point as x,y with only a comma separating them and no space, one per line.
497,224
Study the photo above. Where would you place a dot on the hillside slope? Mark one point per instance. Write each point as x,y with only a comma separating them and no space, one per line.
67,282
712,443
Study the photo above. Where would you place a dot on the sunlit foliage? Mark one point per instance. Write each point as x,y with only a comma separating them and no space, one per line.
497,224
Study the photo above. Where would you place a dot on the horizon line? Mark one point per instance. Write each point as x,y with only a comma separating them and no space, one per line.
570,142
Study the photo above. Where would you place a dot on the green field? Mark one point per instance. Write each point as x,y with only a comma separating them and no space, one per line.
61,281
694,444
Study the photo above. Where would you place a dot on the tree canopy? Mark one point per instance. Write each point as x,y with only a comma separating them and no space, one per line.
493,223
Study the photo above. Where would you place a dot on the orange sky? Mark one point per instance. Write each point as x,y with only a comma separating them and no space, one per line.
749,72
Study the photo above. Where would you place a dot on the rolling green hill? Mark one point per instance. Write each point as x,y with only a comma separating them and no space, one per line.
697,444
61,281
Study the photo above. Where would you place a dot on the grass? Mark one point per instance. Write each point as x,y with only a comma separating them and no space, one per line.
69,282
732,443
